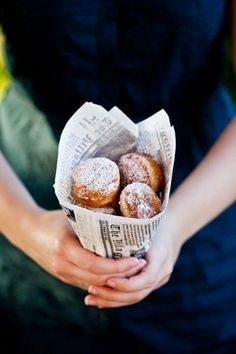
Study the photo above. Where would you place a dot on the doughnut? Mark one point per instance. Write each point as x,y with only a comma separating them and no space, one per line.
138,200
139,167
96,182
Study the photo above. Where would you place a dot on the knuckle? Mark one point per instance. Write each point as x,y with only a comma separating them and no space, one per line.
84,285
91,267
58,247
100,281
57,267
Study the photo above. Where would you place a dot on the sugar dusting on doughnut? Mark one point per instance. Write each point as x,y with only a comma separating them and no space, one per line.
95,182
131,169
140,167
138,200
97,175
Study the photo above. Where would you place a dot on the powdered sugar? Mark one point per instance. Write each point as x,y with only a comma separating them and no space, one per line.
140,200
144,211
97,175
132,169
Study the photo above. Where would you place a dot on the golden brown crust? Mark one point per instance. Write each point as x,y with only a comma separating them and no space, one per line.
138,200
140,167
96,182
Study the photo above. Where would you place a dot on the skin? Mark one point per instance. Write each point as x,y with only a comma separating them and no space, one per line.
209,190
48,239
206,193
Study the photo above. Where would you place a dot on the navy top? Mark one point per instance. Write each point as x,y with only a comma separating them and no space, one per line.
143,56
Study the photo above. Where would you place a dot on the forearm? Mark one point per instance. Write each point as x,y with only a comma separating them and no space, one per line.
17,208
209,189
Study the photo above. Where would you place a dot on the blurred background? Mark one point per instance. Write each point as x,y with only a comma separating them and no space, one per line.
4,76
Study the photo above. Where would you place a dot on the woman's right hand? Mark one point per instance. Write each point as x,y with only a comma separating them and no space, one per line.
51,242
47,238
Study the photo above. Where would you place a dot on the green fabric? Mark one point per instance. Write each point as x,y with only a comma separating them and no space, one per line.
29,145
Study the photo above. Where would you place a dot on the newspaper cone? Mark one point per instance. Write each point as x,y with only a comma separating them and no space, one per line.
92,132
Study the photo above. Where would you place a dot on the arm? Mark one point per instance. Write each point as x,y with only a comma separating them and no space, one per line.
206,193
48,239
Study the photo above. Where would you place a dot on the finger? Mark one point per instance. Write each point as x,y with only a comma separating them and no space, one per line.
132,271
70,274
93,263
146,279
82,276
67,271
91,300
135,283
129,273
108,294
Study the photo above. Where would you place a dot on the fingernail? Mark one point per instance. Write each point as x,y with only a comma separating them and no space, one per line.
142,262
111,283
92,290
89,302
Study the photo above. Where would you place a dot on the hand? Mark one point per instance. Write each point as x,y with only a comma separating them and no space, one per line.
52,244
118,292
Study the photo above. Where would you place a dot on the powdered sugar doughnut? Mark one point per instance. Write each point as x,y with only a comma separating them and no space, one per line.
138,200
139,167
96,182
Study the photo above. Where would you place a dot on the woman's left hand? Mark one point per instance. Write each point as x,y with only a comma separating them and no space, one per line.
193,205
160,259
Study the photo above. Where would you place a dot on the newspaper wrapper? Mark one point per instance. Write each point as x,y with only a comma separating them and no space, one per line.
94,132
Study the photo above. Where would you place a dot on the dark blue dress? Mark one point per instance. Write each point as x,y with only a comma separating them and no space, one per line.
143,56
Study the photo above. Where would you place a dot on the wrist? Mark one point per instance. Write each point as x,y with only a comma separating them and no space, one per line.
27,225
172,231
168,240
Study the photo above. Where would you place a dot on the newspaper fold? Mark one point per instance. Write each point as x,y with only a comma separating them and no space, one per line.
93,131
